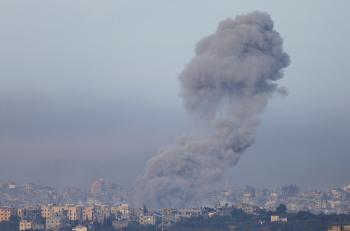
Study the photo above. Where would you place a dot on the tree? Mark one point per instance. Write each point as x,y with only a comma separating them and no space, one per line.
281,209
239,215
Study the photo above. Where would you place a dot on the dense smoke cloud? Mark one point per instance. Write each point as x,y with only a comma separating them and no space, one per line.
227,84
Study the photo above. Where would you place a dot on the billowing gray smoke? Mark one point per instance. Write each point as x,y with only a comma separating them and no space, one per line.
227,84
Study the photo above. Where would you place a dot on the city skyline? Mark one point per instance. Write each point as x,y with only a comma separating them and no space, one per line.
102,192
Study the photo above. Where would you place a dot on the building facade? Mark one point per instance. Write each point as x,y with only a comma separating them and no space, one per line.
5,213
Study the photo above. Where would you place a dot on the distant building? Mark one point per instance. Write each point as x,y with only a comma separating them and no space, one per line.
188,213
25,225
29,213
80,228
74,213
52,210
275,218
87,214
102,213
339,228
58,210
46,211
21,212
12,185
120,211
152,219
346,188
248,208
6,213
224,210
120,224
54,222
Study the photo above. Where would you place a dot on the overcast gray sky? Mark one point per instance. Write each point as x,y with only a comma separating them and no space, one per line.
89,89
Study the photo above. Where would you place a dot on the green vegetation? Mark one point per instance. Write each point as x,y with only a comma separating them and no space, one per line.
238,220
241,221
12,225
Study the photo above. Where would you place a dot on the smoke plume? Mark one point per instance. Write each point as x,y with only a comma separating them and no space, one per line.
227,84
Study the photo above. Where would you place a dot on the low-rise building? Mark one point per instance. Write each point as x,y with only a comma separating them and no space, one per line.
152,219
74,213
339,228
54,222
6,213
32,223
102,213
58,210
25,225
276,218
46,211
88,213
29,213
188,213
120,211
120,224
80,228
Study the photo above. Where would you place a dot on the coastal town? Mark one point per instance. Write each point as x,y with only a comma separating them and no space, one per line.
105,203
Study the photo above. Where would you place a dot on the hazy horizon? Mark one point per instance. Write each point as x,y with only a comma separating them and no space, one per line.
90,90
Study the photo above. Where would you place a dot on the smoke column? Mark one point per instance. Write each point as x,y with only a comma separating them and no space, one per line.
227,84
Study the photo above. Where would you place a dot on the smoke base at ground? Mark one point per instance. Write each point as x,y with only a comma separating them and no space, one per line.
227,84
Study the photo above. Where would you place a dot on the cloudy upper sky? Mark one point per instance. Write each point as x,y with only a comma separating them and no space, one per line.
89,89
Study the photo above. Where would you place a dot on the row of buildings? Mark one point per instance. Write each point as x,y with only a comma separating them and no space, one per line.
30,194
76,217
339,228
54,217
335,200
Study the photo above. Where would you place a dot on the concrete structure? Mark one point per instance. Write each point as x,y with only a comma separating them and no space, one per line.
188,213
275,218
80,228
339,228
54,223
5,213
58,210
120,224
29,213
87,214
346,188
74,213
21,212
101,213
25,225
120,211
46,211
147,220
